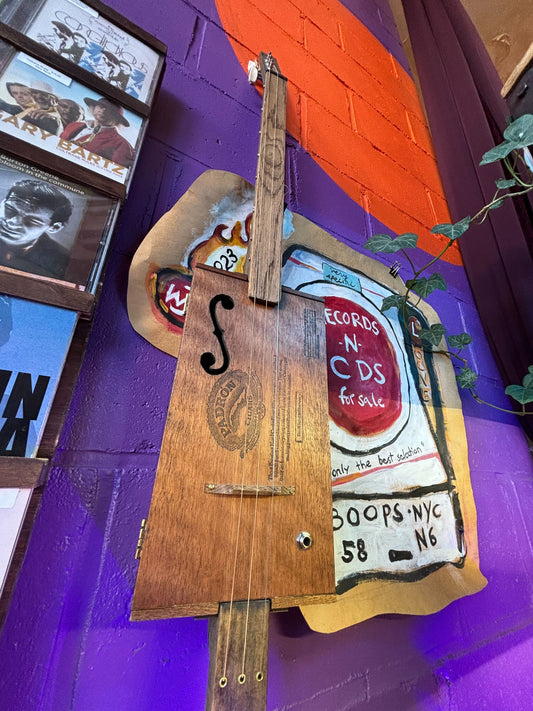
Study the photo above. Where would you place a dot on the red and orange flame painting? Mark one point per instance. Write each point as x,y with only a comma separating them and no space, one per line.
168,287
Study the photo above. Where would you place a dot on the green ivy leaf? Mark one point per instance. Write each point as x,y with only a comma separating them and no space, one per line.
499,152
384,243
423,287
389,302
502,183
527,382
466,378
459,341
433,334
496,204
452,231
520,394
520,131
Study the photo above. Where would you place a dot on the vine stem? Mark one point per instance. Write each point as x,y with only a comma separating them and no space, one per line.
501,409
450,354
409,260
435,259
512,170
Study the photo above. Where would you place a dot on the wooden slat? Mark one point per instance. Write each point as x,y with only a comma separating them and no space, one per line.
238,645
264,252
63,396
45,290
121,21
54,163
189,549
20,472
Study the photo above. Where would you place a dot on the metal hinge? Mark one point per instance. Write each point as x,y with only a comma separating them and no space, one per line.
142,534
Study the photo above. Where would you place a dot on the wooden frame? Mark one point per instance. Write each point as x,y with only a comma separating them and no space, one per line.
95,195
21,472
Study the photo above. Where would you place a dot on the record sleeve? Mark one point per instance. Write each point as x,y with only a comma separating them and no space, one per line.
81,35
34,342
51,227
51,111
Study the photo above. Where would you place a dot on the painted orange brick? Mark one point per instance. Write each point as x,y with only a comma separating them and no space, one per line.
420,131
323,14
320,116
315,80
351,74
309,75
390,214
362,76
361,46
294,110
440,208
328,139
289,17
395,143
406,85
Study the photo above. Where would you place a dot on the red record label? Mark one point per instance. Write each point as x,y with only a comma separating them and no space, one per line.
363,374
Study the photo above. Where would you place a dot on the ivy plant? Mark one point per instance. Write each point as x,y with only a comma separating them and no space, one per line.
510,152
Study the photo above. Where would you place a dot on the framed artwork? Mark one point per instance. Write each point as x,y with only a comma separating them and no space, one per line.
83,35
46,109
52,228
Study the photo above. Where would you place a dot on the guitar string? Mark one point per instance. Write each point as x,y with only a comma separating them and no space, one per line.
276,380
241,499
243,465
271,220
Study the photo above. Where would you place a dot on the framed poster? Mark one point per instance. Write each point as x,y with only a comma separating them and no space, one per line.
51,227
29,375
82,35
47,109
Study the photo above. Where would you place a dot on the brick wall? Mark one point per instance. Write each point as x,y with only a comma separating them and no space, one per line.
359,162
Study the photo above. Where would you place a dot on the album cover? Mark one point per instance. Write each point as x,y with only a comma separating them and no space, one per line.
52,227
79,33
48,109
34,342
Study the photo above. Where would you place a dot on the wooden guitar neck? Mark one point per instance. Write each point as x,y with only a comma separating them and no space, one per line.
264,251
238,653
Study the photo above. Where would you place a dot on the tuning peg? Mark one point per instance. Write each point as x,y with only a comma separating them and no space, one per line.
253,71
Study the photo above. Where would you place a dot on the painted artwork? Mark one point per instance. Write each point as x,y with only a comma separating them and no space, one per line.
29,375
49,110
395,511
403,511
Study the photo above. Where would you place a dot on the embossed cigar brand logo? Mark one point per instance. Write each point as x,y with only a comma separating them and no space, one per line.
235,409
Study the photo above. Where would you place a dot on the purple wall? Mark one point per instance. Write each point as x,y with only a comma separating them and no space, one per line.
67,642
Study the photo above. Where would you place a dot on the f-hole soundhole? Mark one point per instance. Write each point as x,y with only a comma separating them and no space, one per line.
207,359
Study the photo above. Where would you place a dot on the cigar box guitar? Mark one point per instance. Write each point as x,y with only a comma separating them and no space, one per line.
240,518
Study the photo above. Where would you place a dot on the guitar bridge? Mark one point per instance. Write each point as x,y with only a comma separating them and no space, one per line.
249,490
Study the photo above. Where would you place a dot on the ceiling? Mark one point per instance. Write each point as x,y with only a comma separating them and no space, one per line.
505,26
